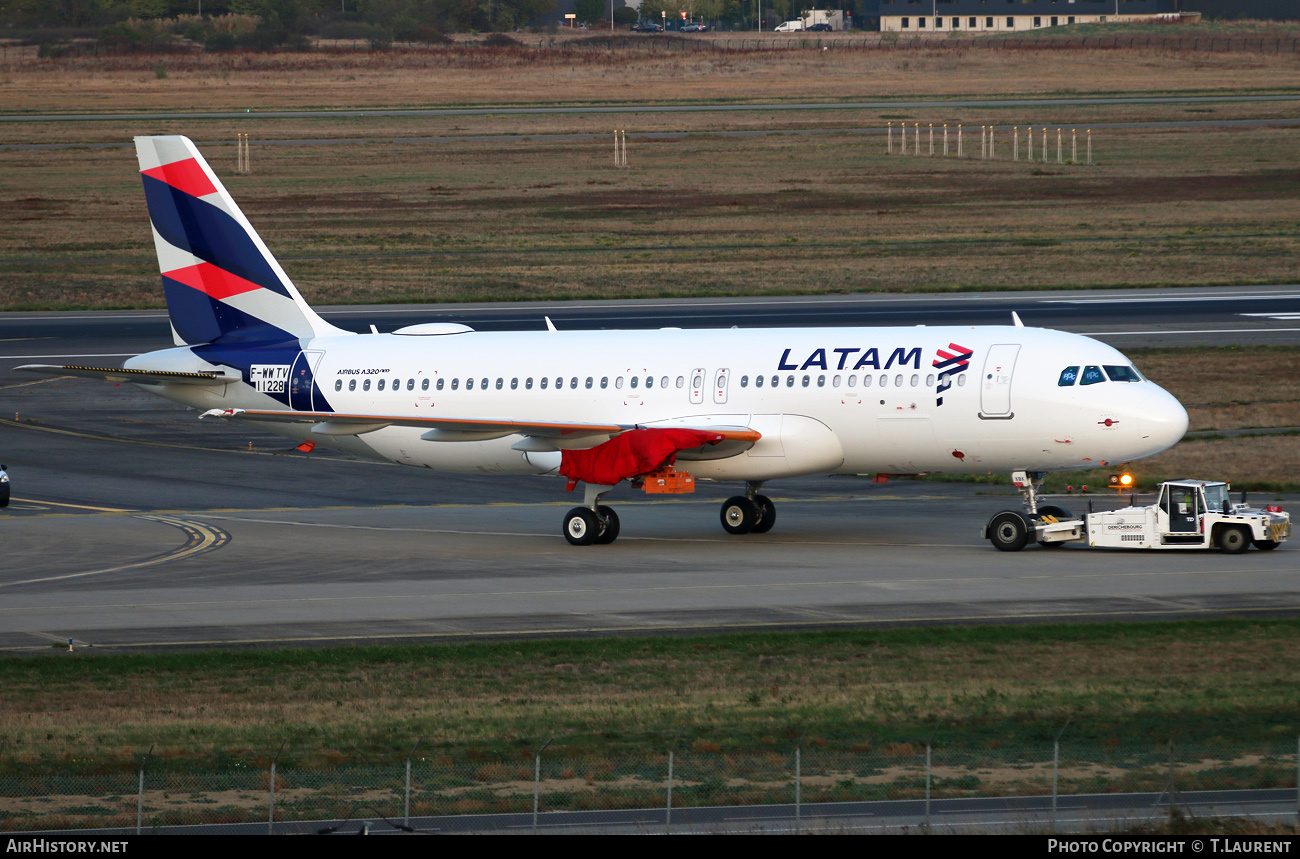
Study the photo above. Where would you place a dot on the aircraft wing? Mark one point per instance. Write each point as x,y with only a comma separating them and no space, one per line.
461,429
120,374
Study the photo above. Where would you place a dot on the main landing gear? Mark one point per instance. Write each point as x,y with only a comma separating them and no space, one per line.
593,523
750,513
596,524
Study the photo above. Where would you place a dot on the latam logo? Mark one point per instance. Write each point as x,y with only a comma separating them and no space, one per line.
950,362
870,359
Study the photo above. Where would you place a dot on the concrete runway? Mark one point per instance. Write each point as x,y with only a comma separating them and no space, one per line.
136,526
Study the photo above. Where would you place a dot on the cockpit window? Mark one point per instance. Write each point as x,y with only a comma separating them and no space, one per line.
1092,375
1069,376
1122,374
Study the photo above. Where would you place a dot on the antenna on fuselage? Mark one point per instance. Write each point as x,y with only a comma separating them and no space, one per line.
1015,319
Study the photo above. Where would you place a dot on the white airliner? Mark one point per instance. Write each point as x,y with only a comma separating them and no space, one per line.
601,407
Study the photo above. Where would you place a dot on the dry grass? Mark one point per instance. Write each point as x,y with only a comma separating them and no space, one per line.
545,76
845,689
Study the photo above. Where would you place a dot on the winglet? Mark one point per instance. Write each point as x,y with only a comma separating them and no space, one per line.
550,326
1015,319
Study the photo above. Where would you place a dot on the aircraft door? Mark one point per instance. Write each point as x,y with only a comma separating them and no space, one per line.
995,383
720,385
697,385
301,380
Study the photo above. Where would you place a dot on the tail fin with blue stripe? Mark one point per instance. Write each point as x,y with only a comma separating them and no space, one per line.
221,282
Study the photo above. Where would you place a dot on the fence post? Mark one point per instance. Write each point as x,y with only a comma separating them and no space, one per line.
1056,776
668,816
270,816
406,805
927,785
139,804
798,785
537,787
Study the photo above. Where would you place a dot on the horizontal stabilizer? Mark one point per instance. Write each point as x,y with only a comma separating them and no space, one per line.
140,377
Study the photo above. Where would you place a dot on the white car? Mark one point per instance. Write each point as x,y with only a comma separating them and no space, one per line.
788,27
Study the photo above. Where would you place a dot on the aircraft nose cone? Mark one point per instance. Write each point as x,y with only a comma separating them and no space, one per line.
1165,421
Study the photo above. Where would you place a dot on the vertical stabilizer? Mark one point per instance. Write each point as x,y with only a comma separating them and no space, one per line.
221,282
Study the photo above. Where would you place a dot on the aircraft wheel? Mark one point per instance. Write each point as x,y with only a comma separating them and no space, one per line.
739,515
581,527
1267,545
766,515
1058,513
1008,531
610,534
1234,540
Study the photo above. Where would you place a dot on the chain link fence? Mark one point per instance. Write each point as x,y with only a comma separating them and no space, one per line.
667,785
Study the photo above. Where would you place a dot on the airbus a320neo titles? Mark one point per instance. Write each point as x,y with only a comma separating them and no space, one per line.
656,408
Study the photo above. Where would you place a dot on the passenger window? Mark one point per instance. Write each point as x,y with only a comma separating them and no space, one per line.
1069,376
1092,375
410,384
338,384
929,381
853,381
528,383
514,384
573,383
589,382
635,380
898,381
961,380
884,381
440,383
866,381
916,380
544,383
758,382
604,381
559,382
663,383
365,386
649,381
821,381
744,381
483,384
381,384
618,383
1121,374
681,380
835,382
424,384
789,381
805,381
352,384
469,384
500,383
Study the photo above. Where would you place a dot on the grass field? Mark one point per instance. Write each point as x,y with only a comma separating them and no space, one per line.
978,687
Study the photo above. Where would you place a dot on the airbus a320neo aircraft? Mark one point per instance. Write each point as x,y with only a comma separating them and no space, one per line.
601,407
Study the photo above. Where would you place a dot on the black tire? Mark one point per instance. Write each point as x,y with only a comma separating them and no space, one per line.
1059,513
1267,545
1233,540
610,532
1008,531
739,515
4,495
581,527
766,515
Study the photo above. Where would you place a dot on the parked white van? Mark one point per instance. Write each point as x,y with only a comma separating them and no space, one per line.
788,27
